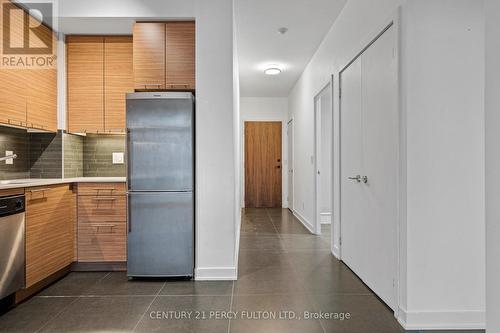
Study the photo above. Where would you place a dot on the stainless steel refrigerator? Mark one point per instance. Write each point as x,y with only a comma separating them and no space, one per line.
160,180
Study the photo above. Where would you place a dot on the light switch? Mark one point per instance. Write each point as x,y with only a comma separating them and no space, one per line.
118,158
10,160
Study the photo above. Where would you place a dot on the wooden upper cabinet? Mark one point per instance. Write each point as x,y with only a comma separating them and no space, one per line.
13,91
42,99
85,68
42,87
118,80
13,94
28,97
180,48
149,56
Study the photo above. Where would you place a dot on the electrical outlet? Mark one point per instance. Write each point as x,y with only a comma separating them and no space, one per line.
10,160
118,158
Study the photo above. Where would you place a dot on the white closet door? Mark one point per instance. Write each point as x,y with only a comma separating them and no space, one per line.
352,196
380,151
369,235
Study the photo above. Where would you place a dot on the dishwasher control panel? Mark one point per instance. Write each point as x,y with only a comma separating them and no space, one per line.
11,205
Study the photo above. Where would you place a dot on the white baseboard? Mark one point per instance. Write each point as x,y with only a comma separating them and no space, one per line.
215,274
445,320
336,251
326,218
304,221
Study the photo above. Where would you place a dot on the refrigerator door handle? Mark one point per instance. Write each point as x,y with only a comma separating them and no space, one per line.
129,214
129,158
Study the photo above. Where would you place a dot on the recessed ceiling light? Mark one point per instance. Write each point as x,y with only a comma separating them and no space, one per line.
283,30
272,70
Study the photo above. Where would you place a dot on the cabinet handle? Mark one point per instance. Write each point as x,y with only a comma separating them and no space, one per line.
158,85
17,122
104,189
104,199
179,85
39,190
104,225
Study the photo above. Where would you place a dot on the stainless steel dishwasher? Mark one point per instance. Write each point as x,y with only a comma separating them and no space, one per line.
12,240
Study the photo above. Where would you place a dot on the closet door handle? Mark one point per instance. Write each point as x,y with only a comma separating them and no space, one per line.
357,178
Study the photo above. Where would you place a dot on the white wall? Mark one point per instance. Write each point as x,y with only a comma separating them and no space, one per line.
237,138
217,160
266,109
492,165
161,9
216,172
357,23
441,281
443,79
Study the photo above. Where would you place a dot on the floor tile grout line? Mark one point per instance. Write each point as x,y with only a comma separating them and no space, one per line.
136,295
149,306
296,273
57,315
230,309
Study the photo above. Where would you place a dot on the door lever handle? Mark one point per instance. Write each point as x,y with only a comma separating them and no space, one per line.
364,179
357,178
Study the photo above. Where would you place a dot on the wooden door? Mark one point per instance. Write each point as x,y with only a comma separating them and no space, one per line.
149,56
118,80
85,68
263,172
42,87
180,46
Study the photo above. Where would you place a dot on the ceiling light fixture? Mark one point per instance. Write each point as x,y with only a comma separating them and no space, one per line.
283,30
272,70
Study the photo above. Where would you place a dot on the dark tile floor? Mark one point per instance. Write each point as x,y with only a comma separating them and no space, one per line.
283,270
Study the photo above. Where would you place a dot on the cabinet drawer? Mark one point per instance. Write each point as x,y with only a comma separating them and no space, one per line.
100,242
102,208
45,199
101,189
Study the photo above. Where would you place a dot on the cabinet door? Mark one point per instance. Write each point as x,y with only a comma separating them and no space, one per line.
85,68
118,80
12,81
50,223
180,46
149,56
13,97
42,86
42,90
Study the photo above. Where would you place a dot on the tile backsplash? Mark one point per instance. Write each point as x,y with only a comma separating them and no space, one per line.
17,141
98,155
41,155
45,151
73,155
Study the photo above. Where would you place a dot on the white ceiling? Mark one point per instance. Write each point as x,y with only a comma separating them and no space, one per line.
259,42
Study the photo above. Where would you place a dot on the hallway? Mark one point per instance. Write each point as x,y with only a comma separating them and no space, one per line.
283,267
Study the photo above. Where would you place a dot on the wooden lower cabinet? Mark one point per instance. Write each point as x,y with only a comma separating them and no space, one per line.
50,231
102,242
102,226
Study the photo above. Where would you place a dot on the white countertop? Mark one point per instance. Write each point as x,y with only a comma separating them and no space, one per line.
20,183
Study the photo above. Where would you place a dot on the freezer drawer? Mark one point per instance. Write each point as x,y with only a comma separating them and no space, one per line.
160,234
